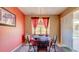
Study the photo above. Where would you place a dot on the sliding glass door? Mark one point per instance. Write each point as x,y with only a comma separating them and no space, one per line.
76,30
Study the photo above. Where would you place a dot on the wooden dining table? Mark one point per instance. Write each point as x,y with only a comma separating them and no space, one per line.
40,41
41,44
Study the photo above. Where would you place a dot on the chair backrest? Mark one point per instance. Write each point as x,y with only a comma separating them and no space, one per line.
28,37
55,38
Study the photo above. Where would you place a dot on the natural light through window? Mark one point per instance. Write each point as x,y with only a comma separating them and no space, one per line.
40,29
76,29
76,25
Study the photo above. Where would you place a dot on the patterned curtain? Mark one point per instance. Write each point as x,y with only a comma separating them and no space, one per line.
46,22
35,22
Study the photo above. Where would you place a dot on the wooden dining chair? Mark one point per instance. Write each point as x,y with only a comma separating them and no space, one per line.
32,44
52,43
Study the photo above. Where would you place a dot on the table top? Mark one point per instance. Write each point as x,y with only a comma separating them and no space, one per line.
42,38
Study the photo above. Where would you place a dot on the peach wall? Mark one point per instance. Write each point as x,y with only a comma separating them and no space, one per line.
11,37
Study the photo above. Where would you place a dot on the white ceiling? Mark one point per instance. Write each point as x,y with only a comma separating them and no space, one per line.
42,10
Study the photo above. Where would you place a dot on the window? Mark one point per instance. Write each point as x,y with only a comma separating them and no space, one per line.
40,29
76,25
76,31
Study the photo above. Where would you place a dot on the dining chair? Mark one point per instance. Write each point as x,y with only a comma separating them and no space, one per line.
52,43
32,44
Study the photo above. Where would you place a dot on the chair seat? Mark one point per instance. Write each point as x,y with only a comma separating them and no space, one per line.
34,42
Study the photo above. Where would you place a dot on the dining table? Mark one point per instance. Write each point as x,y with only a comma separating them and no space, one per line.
40,41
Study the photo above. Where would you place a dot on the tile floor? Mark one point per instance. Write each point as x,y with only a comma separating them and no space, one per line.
25,48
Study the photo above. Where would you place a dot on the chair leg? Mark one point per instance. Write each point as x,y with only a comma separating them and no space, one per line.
34,48
49,49
54,48
29,48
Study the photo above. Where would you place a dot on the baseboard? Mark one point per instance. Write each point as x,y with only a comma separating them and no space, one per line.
59,45
63,45
16,48
69,48
66,46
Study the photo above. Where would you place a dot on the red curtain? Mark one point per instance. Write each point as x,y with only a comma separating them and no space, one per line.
35,22
46,22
